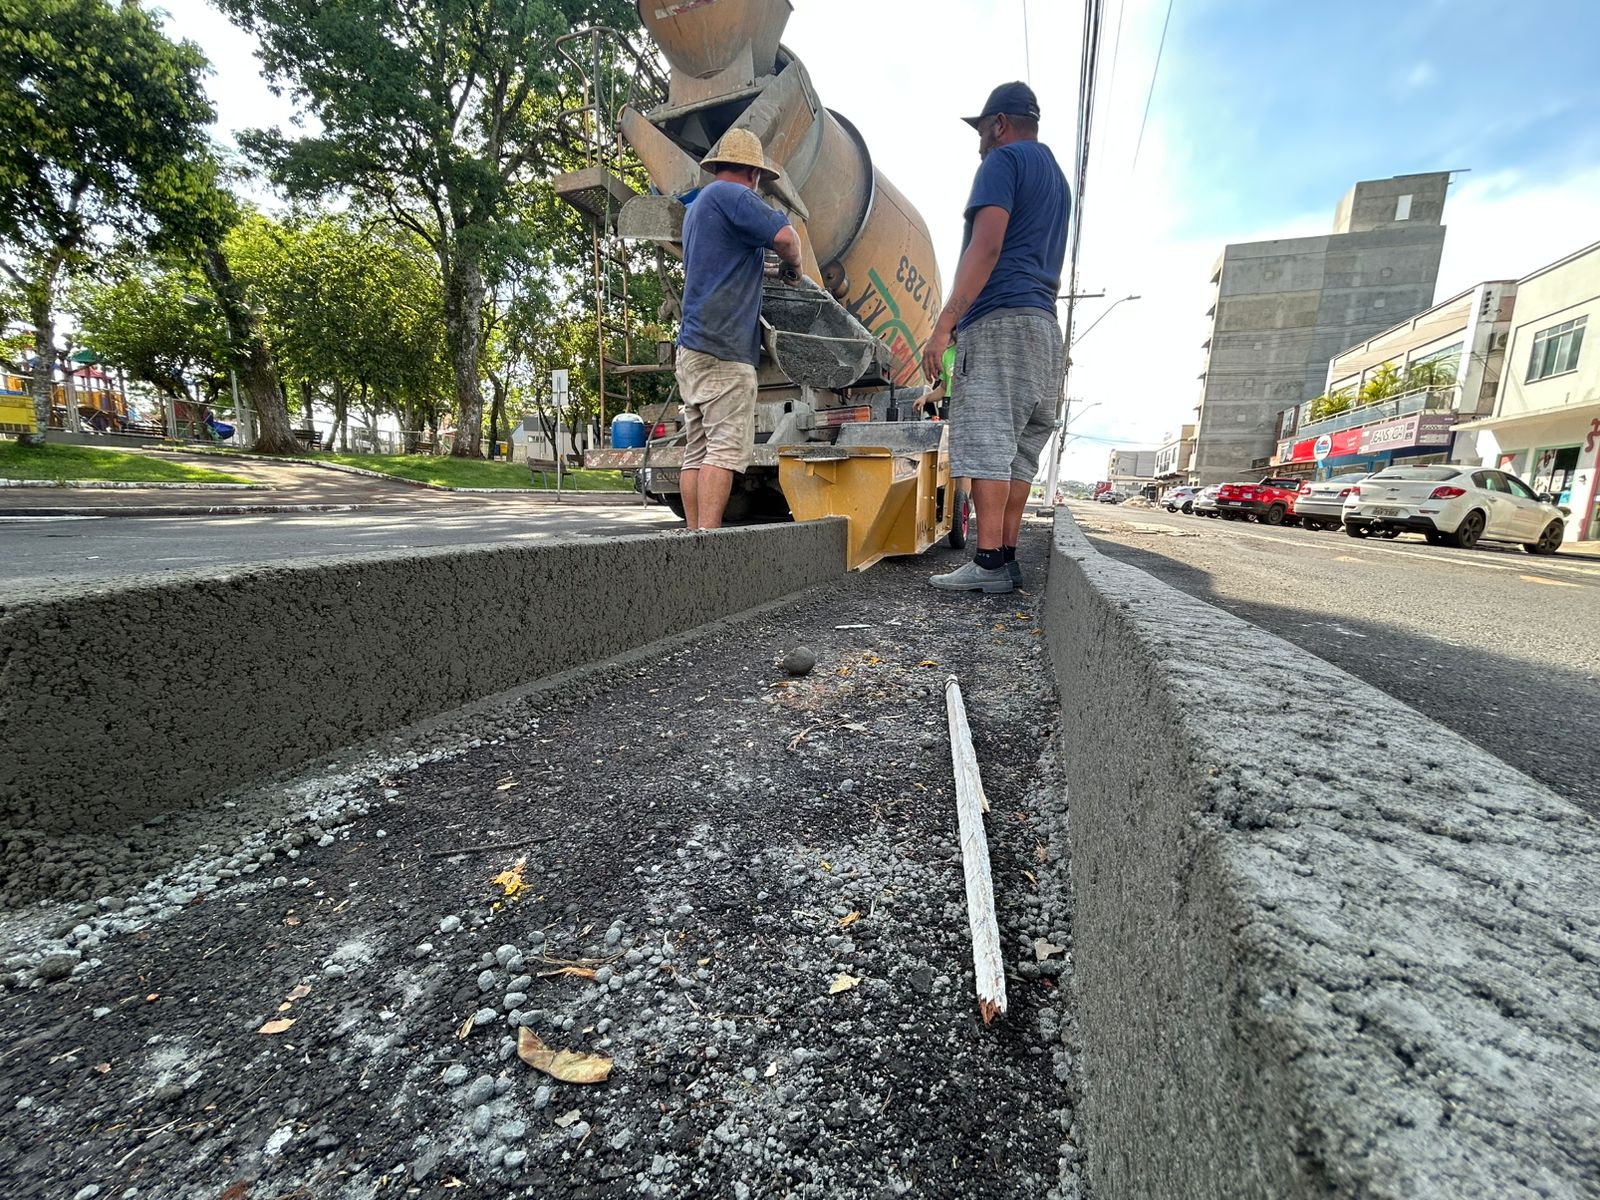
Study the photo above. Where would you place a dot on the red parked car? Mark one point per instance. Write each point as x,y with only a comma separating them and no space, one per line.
1271,501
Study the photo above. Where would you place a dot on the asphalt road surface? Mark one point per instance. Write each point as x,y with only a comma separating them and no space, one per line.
1498,645
35,551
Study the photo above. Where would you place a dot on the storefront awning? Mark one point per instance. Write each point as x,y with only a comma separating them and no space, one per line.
1577,415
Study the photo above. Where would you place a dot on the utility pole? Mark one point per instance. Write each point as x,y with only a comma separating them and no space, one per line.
1064,404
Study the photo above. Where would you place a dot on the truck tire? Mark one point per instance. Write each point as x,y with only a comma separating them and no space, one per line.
675,503
961,519
1274,515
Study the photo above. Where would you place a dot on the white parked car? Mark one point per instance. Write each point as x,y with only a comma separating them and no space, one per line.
1321,505
1205,504
1180,498
1454,506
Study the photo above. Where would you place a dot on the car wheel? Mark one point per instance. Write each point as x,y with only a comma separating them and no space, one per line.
1469,531
1549,541
960,519
1188,507
1390,534
1435,538
1273,515
1355,529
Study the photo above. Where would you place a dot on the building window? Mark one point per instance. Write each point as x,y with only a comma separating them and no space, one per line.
1402,209
1555,350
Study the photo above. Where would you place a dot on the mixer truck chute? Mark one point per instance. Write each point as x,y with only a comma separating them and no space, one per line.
838,348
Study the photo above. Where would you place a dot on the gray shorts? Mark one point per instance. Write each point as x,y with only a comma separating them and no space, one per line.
1007,382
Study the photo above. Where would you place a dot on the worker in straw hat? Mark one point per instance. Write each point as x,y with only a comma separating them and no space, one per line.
726,232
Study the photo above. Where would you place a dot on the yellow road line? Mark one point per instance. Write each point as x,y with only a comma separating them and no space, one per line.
1549,582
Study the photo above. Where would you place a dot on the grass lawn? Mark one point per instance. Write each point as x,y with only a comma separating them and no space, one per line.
473,473
77,463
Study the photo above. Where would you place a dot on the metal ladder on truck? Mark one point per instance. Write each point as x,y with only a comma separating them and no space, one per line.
611,74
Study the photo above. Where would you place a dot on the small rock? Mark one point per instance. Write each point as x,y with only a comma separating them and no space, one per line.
486,981
423,950
56,966
799,661
450,924
455,1075
514,1159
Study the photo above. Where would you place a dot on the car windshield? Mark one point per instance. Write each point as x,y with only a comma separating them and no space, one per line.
1424,474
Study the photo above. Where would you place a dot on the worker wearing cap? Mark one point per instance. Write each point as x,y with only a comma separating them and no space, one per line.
1010,352
726,232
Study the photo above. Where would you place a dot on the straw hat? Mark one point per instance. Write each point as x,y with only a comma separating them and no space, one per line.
740,148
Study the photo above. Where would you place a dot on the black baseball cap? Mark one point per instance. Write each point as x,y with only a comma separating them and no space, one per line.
1014,99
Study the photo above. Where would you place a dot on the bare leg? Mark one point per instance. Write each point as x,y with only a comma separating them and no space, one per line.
715,486
1016,504
991,498
689,485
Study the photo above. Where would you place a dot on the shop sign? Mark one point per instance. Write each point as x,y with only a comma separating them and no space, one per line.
1415,430
1346,441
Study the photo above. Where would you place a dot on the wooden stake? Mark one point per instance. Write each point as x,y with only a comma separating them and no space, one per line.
971,804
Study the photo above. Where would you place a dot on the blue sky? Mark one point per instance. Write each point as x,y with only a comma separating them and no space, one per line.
1275,108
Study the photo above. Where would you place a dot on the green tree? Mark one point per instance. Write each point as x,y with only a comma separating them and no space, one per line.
433,111
100,113
156,326
348,303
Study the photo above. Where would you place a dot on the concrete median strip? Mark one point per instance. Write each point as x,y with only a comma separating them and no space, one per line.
1324,946
121,701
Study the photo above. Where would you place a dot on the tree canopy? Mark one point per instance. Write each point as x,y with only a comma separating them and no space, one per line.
433,111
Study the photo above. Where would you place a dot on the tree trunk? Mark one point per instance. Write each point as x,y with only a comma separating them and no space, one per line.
463,314
258,380
341,409
497,410
44,354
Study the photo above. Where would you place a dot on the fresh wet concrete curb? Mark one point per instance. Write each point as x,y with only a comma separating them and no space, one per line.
1325,947
116,694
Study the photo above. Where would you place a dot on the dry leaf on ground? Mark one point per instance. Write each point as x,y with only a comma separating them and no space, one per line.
281,1025
851,919
511,881
569,1066
843,983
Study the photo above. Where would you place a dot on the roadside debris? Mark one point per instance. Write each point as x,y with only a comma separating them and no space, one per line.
569,1066
971,804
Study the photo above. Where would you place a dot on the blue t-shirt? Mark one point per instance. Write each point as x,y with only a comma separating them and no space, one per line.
724,233
1024,179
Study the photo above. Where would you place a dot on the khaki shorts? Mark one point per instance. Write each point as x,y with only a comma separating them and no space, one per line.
719,411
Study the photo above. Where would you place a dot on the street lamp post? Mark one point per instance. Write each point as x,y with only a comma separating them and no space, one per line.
1063,406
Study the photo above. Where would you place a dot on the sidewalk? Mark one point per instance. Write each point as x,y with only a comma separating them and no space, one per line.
743,890
295,487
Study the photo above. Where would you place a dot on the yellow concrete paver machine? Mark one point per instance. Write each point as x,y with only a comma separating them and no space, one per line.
837,428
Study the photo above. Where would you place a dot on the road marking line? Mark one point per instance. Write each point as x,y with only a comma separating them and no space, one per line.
1434,558
1550,582
1348,558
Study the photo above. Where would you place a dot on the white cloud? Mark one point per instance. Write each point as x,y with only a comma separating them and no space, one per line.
1420,76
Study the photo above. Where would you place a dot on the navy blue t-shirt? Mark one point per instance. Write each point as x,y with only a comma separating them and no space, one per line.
1024,179
724,233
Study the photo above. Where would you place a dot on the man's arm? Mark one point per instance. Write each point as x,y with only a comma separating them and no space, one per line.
787,244
972,273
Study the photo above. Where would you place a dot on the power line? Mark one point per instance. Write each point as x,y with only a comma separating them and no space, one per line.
1027,46
1151,95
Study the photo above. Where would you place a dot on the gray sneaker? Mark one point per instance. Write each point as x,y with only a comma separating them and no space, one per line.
970,577
1016,571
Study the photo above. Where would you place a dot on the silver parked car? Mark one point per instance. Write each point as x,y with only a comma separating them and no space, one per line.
1180,498
1321,505
1205,504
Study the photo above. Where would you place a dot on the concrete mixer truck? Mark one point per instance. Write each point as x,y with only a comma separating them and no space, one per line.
836,431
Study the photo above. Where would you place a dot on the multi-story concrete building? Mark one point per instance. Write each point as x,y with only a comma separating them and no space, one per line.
1545,427
1399,394
1131,471
1284,308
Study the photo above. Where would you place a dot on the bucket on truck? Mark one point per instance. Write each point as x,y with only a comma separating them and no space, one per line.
627,432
